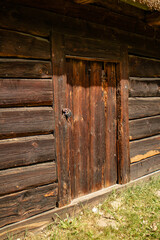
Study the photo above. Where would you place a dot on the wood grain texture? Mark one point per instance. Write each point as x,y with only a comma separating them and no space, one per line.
145,148
145,127
93,126
144,87
40,23
110,101
26,151
25,92
91,48
78,89
20,68
123,118
91,13
61,125
143,107
22,205
25,121
97,128
15,44
143,67
17,179
145,167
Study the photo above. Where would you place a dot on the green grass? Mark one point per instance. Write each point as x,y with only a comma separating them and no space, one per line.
131,214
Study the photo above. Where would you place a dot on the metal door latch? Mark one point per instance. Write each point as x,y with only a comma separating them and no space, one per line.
66,112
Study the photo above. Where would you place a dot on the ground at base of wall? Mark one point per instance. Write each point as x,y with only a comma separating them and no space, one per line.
130,214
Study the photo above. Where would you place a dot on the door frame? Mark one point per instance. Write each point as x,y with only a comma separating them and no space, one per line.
61,128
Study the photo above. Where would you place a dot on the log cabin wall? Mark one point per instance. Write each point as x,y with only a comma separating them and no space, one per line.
28,175
144,115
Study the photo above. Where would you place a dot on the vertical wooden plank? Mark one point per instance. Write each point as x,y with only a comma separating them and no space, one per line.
79,131
76,126
61,125
84,128
97,127
69,99
123,119
109,87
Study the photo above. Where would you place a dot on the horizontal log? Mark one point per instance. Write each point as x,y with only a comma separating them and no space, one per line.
18,179
153,18
145,167
39,22
77,46
144,127
15,44
19,206
140,87
26,151
143,67
18,68
25,121
25,92
145,148
143,107
91,13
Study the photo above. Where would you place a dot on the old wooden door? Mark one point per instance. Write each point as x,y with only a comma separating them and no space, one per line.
91,97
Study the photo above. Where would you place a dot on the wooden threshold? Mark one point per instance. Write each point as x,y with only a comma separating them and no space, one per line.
40,221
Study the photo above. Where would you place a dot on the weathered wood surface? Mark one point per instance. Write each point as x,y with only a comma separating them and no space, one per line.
92,128
144,107
123,119
20,68
109,106
67,7
145,167
143,87
91,48
42,22
97,125
145,127
145,148
143,67
19,206
91,13
153,18
26,151
25,121
25,92
17,179
61,125
15,44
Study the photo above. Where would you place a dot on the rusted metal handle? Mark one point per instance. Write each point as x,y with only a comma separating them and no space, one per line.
67,113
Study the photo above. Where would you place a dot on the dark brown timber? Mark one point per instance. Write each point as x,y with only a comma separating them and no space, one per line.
20,68
143,107
25,121
26,151
23,45
145,127
61,125
123,119
144,87
143,67
25,92
145,167
19,206
144,148
109,97
17,179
